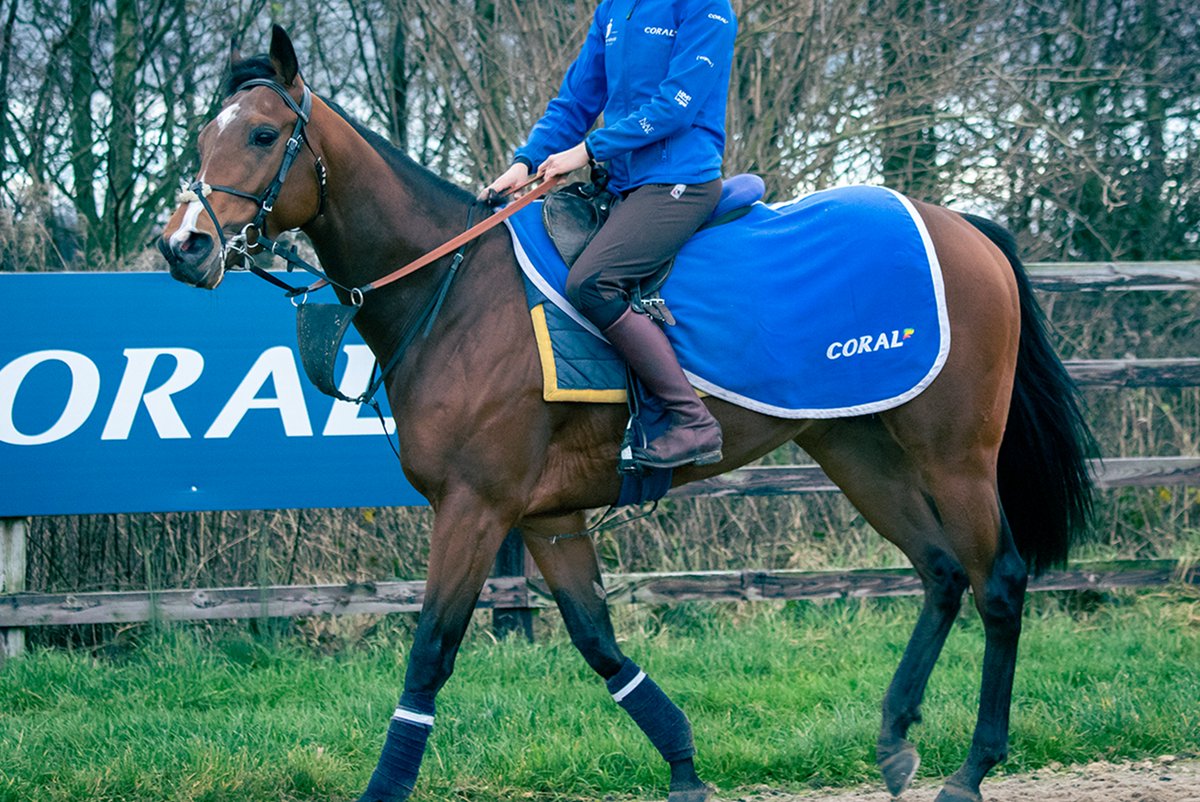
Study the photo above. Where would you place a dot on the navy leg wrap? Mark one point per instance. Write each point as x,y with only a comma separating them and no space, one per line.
396,773
664,724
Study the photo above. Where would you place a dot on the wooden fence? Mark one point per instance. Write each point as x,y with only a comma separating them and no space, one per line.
514,595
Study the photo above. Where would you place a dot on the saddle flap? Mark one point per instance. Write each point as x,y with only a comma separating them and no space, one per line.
573,215
320,329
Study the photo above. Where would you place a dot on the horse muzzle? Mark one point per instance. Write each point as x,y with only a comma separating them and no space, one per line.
193,259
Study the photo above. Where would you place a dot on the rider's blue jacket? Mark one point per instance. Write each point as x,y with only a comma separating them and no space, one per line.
659,70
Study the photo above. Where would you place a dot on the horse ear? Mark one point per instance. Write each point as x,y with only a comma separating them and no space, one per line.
235,50
283,56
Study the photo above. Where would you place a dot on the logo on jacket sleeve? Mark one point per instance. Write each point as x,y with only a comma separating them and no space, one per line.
609,36
683,98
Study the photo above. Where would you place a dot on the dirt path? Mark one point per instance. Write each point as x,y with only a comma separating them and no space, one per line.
1166,779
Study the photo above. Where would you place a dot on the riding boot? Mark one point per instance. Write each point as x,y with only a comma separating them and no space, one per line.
694,436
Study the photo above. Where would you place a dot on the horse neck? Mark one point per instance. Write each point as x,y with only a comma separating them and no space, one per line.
379,215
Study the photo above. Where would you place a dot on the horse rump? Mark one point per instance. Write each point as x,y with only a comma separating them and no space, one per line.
1046,487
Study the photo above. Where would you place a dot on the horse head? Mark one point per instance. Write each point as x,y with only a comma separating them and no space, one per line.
254,177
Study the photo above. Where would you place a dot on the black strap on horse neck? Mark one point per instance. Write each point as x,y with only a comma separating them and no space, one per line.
320,329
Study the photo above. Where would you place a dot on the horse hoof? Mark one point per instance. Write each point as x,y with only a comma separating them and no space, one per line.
701,794
899,768
956,792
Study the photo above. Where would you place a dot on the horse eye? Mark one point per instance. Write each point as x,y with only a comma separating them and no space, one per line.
264,137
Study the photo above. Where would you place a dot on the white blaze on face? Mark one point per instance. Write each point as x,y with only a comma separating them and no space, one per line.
228,115
188,226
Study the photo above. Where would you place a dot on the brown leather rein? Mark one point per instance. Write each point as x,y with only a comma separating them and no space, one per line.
472,233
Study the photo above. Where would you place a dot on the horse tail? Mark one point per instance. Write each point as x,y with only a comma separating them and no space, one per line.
1044,480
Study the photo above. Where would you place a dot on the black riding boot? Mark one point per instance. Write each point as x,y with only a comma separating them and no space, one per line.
695,435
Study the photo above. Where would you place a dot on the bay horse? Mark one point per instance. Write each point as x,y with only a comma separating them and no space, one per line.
979,479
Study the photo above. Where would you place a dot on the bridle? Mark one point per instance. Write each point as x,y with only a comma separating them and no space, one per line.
336,318
252,239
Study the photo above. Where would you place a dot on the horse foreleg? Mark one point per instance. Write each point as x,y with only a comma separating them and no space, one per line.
572,571
467,533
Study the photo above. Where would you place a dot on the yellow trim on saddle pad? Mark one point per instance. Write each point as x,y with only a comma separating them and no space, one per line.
550,389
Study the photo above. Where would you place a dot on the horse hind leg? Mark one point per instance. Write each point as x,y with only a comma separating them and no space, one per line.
998,581
962,487
572,571
878,477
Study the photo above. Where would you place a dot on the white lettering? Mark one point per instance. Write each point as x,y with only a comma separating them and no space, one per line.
85,389
866,344
659,31
132,393
718,18
705,59
344,418
279,365
683,98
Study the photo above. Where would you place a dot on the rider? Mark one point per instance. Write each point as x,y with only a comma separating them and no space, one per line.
659,70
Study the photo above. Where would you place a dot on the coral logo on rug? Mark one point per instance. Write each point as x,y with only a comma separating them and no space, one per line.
868,343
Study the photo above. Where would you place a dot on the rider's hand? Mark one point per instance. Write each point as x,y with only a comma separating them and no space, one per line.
513,177
564,162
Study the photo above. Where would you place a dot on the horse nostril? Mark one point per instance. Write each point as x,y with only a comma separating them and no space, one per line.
195,248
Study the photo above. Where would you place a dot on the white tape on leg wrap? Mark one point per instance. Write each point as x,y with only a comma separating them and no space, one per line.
415,718
629,687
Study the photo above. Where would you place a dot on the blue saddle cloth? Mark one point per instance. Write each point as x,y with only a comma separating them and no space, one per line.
830,305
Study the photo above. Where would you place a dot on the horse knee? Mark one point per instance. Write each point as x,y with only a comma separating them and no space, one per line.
600,652
591,633
430,664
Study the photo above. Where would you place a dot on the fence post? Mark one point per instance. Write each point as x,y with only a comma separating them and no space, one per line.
511,561
12,580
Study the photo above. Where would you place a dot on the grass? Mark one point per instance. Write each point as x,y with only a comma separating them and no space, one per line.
782,695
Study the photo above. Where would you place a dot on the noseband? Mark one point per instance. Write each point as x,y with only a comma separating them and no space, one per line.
251,236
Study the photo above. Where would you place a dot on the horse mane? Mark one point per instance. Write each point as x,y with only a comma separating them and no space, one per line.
249,69
401,163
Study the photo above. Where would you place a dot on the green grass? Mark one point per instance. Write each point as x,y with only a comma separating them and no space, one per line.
783,695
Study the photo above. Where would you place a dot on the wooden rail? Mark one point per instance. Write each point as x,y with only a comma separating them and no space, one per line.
776,480
1114,276
514,592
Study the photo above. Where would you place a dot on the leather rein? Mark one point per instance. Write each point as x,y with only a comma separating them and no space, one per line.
252,240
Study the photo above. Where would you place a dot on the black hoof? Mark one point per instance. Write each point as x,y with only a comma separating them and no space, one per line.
956,792
701,794
899,768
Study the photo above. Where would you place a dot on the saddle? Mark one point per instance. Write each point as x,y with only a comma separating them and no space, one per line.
574,214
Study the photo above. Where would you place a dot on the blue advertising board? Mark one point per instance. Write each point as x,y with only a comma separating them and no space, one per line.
129,392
